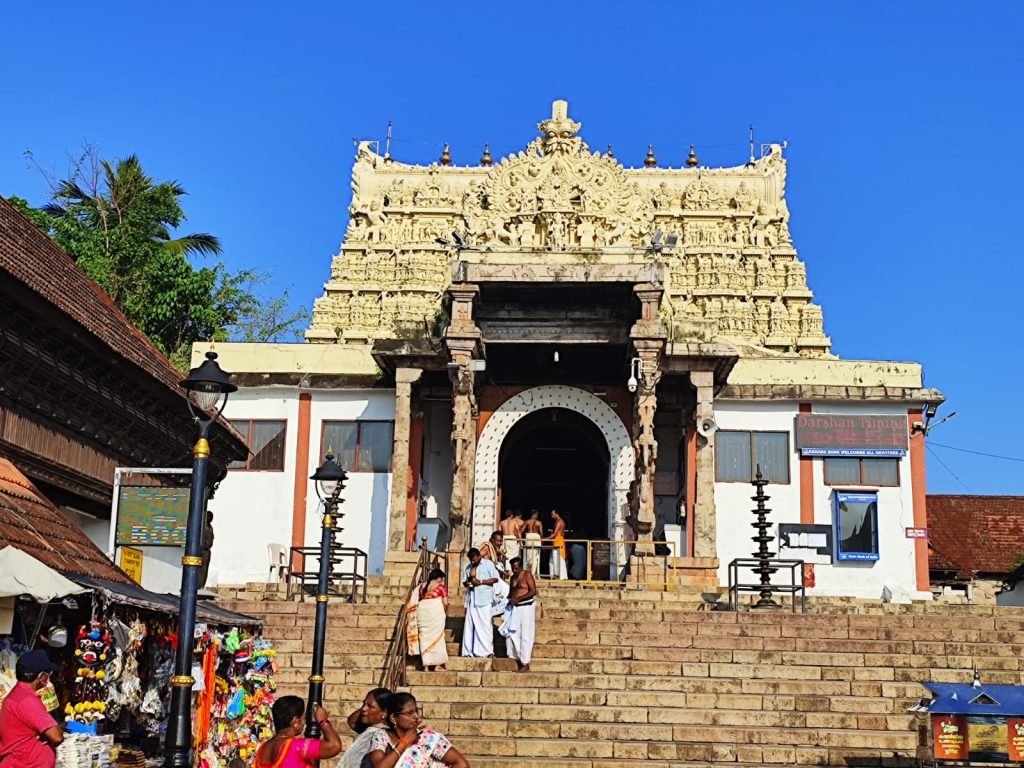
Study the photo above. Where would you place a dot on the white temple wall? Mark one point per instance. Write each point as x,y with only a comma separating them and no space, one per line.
895,569
254,508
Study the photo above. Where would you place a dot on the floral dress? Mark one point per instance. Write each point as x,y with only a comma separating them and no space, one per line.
428,751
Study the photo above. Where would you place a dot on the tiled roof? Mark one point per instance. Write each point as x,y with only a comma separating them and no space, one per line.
971,535
31,523
29,255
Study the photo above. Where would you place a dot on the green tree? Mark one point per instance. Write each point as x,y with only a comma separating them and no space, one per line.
121,226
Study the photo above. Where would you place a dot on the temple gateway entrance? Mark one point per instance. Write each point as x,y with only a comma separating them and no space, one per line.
591,431
555,458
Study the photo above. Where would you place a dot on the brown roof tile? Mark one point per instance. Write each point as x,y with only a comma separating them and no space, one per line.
30,256
971,535
30,522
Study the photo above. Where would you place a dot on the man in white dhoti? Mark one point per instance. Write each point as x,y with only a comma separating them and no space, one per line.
479,579
520,625
532,529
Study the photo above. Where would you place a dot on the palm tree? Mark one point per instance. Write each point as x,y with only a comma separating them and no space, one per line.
128,211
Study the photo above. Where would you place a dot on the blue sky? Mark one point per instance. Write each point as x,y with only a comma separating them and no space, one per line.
905,126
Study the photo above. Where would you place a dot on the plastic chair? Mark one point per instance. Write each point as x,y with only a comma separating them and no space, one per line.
278,560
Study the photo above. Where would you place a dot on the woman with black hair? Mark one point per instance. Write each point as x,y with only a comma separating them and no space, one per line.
427,615
406,744
286,749
368,718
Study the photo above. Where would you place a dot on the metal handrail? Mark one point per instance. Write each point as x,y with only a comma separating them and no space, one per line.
393,676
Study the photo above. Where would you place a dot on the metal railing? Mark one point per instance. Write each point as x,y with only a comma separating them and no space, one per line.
795,586
587,560
340,573
393,676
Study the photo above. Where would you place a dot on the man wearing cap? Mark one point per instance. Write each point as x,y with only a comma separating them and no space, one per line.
28,735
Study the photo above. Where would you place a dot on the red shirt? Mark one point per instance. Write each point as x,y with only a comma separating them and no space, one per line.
23,718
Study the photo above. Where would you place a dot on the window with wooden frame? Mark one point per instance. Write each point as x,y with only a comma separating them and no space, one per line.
359,446
865,471
739,454
265,438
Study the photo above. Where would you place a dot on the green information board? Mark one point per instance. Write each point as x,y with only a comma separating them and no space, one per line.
152,517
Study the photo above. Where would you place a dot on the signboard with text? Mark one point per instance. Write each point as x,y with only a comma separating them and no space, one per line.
131,563
151,516
826,434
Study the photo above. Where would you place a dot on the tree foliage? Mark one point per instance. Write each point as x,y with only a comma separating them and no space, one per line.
120,226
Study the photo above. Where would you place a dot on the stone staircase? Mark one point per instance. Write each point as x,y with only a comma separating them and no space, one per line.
624,677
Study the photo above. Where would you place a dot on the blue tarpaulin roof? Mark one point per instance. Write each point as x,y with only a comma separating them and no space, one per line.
965,699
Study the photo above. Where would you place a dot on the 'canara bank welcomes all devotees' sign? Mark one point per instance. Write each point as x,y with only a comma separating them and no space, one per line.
824,434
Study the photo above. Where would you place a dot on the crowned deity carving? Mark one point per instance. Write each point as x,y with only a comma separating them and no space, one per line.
762,232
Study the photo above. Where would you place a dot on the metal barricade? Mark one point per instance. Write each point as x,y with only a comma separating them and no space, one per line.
348,566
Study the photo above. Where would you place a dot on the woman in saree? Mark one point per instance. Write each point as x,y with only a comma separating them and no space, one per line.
427,613
368,718
407,744
286,748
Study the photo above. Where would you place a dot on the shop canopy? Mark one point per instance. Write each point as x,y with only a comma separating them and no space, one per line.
22,574
132,594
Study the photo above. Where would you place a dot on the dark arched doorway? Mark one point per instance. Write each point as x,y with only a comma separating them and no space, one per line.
555,458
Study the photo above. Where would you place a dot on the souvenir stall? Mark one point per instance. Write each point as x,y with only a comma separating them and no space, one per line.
115,650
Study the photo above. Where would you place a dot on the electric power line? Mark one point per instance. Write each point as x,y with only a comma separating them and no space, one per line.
946,467
976,453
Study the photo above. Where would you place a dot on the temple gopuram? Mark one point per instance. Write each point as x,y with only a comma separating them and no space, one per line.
554,330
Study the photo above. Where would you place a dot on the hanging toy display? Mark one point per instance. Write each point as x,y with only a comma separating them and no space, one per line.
93,648
243,694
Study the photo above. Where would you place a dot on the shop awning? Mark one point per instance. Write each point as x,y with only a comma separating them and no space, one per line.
22,574
132,594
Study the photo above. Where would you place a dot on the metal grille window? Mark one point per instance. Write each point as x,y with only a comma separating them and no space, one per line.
360,446
266,443
738,454
862,471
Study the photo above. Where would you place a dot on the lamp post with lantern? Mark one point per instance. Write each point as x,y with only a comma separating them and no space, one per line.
329,479
208,388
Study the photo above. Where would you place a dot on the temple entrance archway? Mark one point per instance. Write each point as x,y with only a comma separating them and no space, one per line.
557,459
620,455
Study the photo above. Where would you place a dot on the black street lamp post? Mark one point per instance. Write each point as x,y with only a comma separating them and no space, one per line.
330,480
208,389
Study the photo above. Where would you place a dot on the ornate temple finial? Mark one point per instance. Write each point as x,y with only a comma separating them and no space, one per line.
650,161
446,155
558,133
486,158
609,152
692,160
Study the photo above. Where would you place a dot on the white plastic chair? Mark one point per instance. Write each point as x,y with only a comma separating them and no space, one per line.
278,560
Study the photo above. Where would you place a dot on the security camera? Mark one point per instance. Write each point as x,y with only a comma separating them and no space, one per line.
631,384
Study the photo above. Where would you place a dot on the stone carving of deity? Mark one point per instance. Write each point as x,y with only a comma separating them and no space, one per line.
526,231
357,310
779,323
586,232
762,234
811,322
376,221
796,276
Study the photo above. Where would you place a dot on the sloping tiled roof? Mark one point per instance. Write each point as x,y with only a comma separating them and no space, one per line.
971,535
31,257
31,523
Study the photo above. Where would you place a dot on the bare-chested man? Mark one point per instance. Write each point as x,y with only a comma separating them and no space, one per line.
520,626
532,531
512,529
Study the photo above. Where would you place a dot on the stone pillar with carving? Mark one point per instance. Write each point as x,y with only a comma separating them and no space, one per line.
463,340
648,337
705,532
401,480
